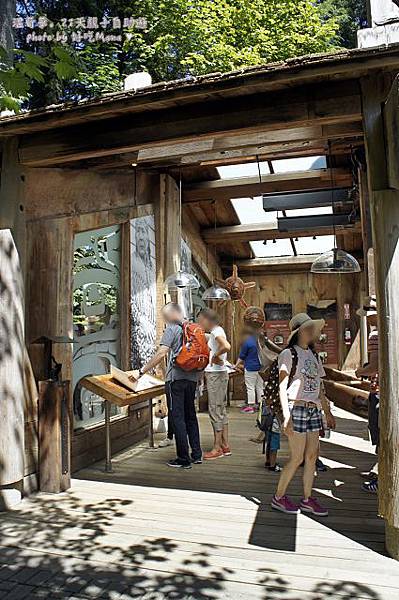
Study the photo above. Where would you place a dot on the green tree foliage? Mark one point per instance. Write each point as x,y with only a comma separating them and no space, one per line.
19,77
350,15
193,37
183,38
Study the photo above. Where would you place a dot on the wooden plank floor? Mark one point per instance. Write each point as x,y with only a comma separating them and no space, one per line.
147,531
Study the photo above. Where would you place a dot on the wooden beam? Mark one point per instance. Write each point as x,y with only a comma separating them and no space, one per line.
272,152
265,266
60,193
391,129
267,231
276,264
304,107
242,187
237,155
258,142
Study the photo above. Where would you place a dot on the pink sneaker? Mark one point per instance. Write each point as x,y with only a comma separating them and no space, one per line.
314,507
285,505
248,410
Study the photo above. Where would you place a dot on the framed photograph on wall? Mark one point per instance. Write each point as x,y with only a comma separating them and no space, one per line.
143,302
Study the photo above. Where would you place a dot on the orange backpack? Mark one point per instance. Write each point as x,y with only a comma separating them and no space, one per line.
194,355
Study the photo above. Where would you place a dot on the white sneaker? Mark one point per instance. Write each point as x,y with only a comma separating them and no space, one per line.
165,443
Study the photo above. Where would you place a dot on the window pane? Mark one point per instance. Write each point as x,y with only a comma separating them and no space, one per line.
96,289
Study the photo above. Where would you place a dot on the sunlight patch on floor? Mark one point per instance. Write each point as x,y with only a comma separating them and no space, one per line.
348,441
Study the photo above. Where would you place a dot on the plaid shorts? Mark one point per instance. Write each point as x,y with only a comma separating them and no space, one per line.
306,418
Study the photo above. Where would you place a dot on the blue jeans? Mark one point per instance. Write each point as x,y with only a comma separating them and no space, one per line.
181,396
374,411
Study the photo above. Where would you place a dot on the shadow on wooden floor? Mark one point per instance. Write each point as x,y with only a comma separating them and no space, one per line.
353,513
153,533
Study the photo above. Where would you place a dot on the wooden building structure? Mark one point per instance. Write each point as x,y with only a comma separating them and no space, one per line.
102,163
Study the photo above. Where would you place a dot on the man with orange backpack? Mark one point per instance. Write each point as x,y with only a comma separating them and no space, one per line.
185,345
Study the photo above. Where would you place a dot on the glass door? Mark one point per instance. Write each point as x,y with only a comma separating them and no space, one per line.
96,297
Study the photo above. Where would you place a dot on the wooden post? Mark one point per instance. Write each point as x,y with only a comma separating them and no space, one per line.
12,345
172,230
168,236
54,436
384,205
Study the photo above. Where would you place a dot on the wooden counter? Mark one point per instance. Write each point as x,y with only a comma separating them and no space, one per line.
113,392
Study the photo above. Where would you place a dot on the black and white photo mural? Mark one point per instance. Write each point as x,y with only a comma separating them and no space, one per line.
143,290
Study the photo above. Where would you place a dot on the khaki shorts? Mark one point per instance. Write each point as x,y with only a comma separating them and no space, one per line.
216,385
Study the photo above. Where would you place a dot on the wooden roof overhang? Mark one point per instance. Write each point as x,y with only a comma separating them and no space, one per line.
295,108
280,103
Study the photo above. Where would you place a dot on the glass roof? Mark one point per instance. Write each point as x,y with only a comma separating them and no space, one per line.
243,170
304,245
306,163
285,165
250,210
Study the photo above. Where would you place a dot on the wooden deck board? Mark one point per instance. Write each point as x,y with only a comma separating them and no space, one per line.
209,533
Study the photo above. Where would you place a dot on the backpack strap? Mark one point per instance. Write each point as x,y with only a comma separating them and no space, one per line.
294,355
182,325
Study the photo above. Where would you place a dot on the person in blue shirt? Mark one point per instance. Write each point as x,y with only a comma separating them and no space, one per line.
248,361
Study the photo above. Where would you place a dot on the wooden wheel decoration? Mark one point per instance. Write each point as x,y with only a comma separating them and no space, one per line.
236,286
254,317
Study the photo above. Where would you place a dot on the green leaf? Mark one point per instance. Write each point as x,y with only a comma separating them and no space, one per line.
63,54
64,70
9,103
14,82
31,71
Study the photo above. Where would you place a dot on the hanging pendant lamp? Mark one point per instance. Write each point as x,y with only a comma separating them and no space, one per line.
215,292
335,260
181,280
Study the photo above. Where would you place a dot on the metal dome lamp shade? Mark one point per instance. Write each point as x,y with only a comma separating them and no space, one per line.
335,260
216,293
181,280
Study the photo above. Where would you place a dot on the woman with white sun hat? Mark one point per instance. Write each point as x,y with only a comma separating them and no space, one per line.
302,399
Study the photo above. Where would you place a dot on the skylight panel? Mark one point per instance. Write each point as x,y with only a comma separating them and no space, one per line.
282,247
243,170
250,210
307,245
271,249
304,163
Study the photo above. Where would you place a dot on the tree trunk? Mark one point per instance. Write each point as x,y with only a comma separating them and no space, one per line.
7,13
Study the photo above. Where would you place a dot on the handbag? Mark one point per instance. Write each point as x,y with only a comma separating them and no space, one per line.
265,352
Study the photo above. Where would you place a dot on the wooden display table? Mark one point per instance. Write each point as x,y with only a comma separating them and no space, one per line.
114,393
